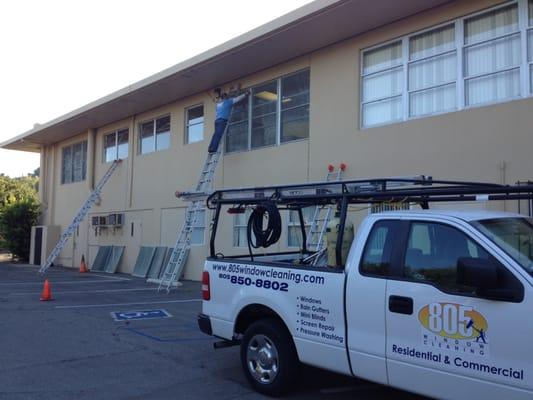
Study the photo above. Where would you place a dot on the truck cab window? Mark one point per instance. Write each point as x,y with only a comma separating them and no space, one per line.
378,251
432,254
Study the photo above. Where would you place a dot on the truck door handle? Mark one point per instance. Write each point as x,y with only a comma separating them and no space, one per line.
401,305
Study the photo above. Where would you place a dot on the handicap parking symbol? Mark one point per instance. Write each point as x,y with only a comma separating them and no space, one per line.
136,315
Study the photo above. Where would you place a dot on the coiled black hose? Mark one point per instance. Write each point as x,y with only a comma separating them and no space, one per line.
263,236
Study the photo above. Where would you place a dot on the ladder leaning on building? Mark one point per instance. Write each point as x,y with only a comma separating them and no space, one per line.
178,257
82,213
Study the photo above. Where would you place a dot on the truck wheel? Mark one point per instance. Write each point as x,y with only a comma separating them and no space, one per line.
268,357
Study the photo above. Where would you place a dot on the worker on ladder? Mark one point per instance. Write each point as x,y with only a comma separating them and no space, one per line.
223,112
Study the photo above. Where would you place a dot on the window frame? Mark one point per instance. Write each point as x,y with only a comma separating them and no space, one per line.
187,124
154,134
104,148
279,110
84,146
526,79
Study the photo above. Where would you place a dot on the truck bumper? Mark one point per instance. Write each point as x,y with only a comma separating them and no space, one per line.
204,323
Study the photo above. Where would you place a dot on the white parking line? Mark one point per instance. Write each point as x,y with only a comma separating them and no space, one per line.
87,291
128,304
65,282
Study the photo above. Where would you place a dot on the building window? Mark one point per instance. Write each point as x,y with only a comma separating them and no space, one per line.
198,231
382,85
492,56
194,124
295,107
472,61
294,231
116,145
240,223
155,135
264,100
74,163
432,72
276,112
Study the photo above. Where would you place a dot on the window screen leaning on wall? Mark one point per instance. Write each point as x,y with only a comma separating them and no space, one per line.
472,61
116,145
194,124
277,112
155,135
74,163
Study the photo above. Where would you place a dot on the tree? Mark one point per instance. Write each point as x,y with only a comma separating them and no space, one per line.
16,220
17,189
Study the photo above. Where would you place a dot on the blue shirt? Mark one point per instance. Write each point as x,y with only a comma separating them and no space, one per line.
224,107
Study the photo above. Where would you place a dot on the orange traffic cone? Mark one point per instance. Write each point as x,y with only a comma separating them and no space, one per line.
47,292
83,266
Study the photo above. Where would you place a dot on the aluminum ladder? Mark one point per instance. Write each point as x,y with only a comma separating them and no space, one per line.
322,215
179,254
84,210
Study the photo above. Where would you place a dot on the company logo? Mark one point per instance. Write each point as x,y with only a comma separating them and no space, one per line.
454,327
453,321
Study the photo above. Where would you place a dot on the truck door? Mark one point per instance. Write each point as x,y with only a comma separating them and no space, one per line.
443,339
365,298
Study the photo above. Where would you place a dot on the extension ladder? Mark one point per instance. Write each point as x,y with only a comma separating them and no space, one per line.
322,215
178,257
94,196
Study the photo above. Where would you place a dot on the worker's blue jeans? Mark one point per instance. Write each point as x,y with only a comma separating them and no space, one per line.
220,127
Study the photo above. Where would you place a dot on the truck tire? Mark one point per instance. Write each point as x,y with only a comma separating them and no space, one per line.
268,357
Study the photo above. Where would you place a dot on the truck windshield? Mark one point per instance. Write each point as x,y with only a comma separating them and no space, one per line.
513,235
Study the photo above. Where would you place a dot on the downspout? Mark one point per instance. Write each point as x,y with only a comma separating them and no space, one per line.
42,184
91,147
503,178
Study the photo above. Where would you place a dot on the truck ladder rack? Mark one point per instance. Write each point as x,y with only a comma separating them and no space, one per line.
84,210
417,189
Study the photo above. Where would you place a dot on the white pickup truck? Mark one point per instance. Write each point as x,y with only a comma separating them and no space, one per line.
432,301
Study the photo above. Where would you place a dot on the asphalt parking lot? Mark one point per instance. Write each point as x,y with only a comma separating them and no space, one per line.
72,347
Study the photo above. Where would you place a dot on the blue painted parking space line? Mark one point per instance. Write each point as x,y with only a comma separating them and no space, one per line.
139,315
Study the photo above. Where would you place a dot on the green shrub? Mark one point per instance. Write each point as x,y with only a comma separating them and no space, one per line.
16,220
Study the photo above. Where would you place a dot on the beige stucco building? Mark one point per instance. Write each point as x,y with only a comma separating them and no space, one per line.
435,87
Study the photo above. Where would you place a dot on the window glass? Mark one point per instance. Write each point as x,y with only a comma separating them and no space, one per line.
195,124
431,43
162,132
530,7
433,251
382,85
491,25
487,65
74,163
377,255
237,134
295,107
382,58
198,231
264,109
66,170
294,231
147,137
240,222
122,143
514,236
110,150
432,78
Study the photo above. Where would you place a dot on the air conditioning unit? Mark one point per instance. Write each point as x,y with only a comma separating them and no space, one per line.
95,221
115,219
102,221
